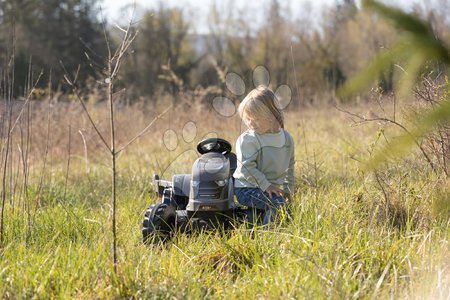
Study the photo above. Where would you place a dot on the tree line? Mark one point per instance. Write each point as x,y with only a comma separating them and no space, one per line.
314,55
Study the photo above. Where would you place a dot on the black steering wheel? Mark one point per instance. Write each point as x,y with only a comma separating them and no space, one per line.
214,145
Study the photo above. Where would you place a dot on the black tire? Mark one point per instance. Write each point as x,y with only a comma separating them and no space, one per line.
159,223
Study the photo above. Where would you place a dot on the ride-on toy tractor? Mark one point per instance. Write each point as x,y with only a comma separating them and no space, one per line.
201,200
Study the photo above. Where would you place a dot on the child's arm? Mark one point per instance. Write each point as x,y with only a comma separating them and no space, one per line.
247,150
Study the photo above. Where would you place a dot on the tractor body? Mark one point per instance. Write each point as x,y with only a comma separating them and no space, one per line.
201,200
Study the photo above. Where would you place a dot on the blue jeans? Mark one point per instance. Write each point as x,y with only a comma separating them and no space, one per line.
259,203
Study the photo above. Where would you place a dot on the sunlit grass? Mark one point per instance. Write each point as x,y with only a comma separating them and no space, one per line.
344,239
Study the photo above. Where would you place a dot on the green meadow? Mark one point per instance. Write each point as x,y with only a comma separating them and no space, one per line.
353,232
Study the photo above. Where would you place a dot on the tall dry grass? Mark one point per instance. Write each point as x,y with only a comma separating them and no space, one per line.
352,234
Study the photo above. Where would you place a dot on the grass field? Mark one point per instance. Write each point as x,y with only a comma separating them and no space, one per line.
353,233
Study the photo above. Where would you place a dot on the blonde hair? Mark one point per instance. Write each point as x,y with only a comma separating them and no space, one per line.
262,102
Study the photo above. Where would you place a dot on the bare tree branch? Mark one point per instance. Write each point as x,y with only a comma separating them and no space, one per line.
77,94
386,120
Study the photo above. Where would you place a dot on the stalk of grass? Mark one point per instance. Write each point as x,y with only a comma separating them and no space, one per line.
9,88
336,245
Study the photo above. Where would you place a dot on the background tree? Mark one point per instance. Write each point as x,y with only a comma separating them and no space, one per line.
272,43
323,50
162,40
47,32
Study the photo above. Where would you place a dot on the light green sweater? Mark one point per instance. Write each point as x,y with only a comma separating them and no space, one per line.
264,159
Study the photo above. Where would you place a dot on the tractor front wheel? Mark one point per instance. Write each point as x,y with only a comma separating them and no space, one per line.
159,223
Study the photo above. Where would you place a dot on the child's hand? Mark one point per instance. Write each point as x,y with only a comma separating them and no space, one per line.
274,190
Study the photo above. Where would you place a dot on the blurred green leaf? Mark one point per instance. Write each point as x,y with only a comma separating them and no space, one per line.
373,70
401,19
409,77
430,120
419,32
417,47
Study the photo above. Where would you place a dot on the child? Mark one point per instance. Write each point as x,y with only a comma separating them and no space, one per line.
265,155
